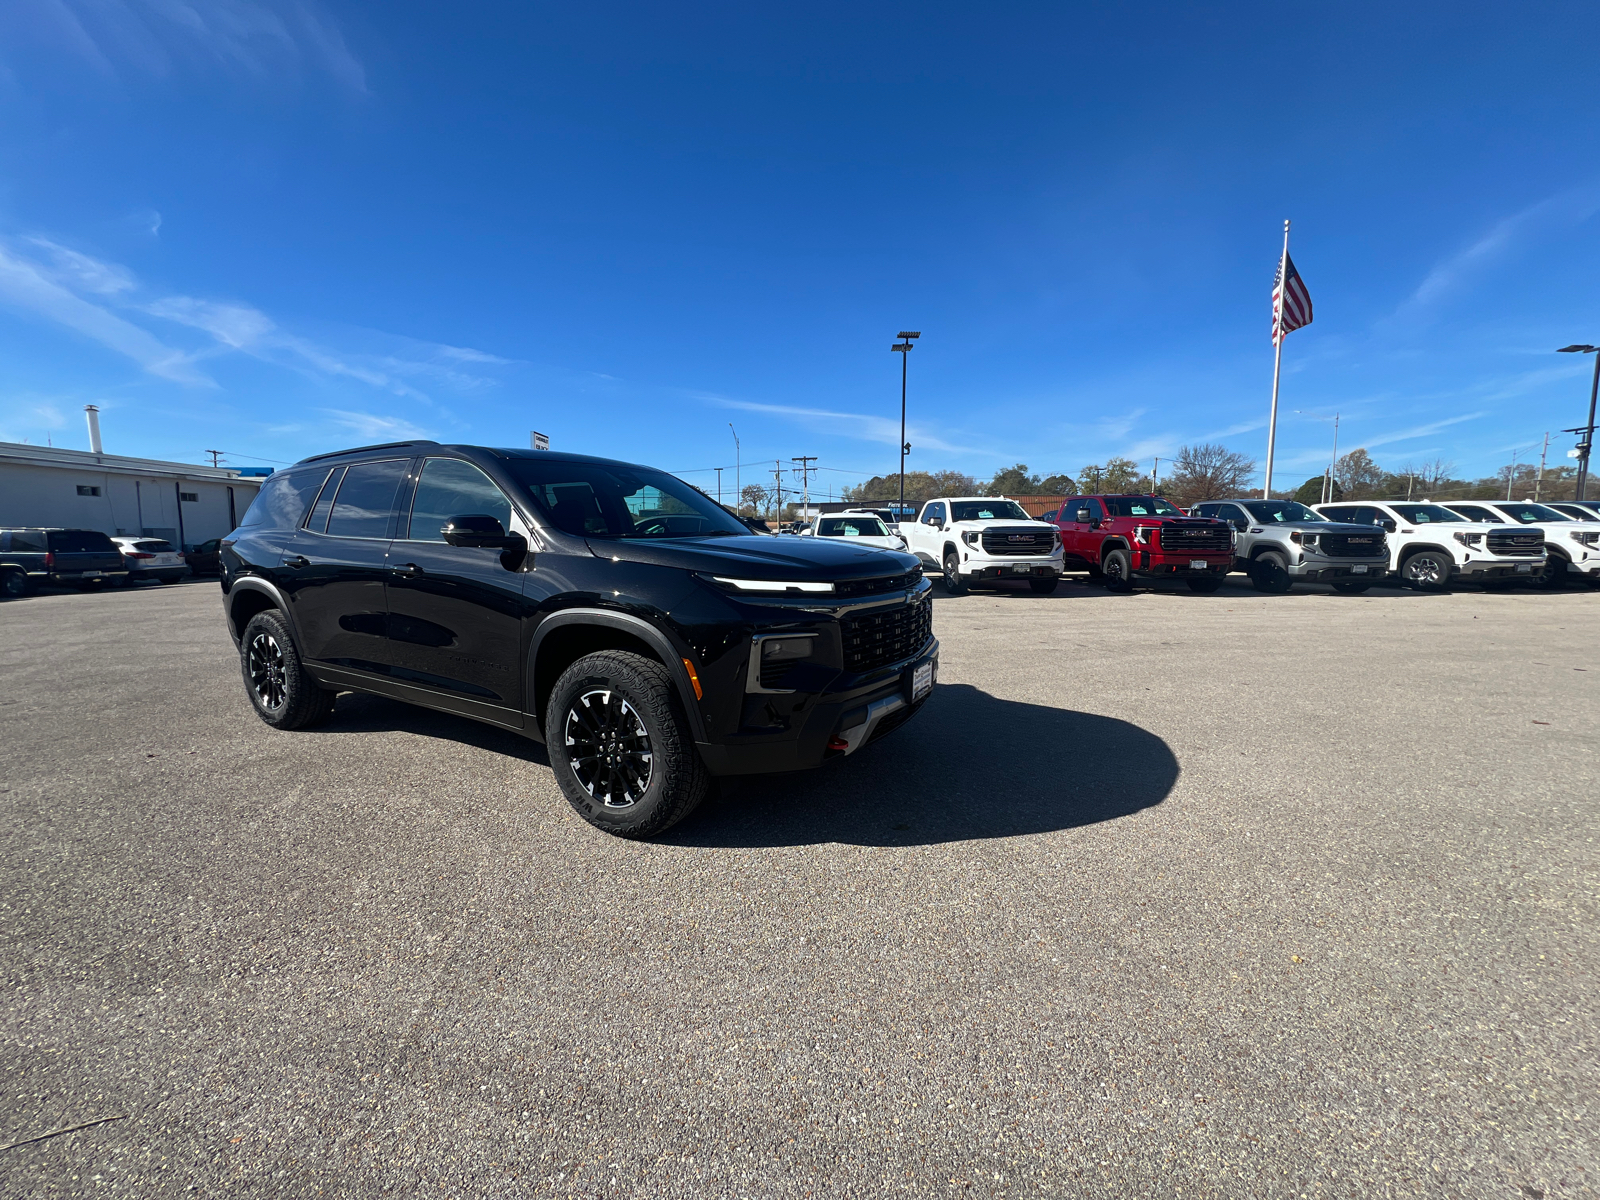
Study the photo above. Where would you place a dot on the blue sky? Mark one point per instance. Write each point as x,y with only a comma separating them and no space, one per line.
276,228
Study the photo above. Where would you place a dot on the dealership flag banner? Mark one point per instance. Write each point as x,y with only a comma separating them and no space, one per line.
1291,308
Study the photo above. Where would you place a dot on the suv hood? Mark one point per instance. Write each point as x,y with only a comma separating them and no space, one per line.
808,559
1315,526
990,522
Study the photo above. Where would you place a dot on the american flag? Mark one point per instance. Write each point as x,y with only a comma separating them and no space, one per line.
1291,303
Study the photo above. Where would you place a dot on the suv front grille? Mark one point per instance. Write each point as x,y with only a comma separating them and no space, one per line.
1183,537
886,635
1353,545
1003,542
873,587
1516,543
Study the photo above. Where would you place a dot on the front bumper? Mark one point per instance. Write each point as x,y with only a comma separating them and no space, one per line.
1151,564
1324,569
74,578
1498,568
1028,568
852,718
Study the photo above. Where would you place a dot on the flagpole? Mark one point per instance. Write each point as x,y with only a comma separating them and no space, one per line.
1277,358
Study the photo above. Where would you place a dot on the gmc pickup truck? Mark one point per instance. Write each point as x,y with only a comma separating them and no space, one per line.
982,539
1129,537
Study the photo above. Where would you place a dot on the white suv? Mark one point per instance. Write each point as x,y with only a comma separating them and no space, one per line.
983,539
1573,546
1431,547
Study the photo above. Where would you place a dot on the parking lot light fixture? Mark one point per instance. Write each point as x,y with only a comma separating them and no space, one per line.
1586,432
903,348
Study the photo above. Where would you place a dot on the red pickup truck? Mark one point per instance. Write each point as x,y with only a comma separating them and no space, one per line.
1133,537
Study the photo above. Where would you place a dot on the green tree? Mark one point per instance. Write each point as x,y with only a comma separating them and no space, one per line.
1013,481
1056,485
1310,492
921,486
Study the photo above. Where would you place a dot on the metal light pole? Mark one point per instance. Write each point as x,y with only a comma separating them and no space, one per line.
1327,479
719,484
1585,434
903,349
738,477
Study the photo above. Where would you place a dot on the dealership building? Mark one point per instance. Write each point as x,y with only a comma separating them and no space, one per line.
120,496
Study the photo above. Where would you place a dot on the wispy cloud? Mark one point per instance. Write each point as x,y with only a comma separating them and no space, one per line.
372,425
266,40
1405,435
103,301
867,428
32,286
1562,210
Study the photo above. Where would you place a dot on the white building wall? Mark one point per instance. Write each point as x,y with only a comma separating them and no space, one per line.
137,496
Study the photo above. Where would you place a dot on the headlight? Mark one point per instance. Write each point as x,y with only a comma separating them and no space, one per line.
1468,539
1308,540
768,585
771,656
1588,537
1145,534
901,542
970,537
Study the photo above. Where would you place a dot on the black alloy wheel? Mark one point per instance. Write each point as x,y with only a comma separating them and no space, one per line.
1427,570
621,745
13,584
1552,575
609,748
1118,570
280,689
1269,572
952,574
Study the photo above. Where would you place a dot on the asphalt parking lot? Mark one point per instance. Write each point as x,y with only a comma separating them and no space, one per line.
1162,895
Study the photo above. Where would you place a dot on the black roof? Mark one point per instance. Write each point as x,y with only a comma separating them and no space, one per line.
498,451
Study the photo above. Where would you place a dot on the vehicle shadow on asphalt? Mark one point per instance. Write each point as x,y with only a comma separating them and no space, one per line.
968,766
362,712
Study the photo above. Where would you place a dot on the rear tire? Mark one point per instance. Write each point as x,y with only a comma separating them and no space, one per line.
952,575
1552,575
1269,572
1118,570
1426,571
280,689
620,745
1203,586
14,585
1350,589
1044,587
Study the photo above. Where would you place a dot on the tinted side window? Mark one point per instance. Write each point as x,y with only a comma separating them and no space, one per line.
1097,510
282,500
81,541
318,521
452,488
935,513
27,540
1347,515
365,504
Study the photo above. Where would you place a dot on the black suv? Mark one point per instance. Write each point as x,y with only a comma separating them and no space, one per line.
84,558
612,611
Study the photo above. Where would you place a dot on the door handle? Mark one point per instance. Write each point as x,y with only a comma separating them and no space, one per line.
409,569
299,561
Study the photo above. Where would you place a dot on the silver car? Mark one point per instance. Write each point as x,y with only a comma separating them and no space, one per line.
1281,541
152,559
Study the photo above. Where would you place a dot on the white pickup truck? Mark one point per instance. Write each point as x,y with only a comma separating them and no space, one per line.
983,539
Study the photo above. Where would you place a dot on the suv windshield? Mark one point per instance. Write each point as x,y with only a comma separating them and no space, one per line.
603,500
987,510
1528,513
1140,506
1426,514
1270,512
851,527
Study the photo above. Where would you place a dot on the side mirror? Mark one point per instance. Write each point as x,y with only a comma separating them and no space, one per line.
1386,523
938,522
477,530
1081,515
1241,526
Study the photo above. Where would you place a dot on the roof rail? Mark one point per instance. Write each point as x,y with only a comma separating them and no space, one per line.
364,449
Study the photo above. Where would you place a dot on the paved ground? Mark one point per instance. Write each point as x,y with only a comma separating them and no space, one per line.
1163,895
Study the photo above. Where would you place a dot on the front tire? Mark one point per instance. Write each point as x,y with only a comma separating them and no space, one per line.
1118,570
280,689
620,745
1269,572
1552,575
1426,571
952,574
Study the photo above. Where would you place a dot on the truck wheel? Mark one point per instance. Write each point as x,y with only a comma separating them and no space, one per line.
282,692
1118,569
952,574
620,746
13,584
1350,589
1426,570
1552,575
1204,586
1269,571
1044,587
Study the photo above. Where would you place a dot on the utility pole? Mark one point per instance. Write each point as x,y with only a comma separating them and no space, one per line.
777,486
1538,483
1155,463
1511,474
903,349
719,484
738,478
215,456
804,471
